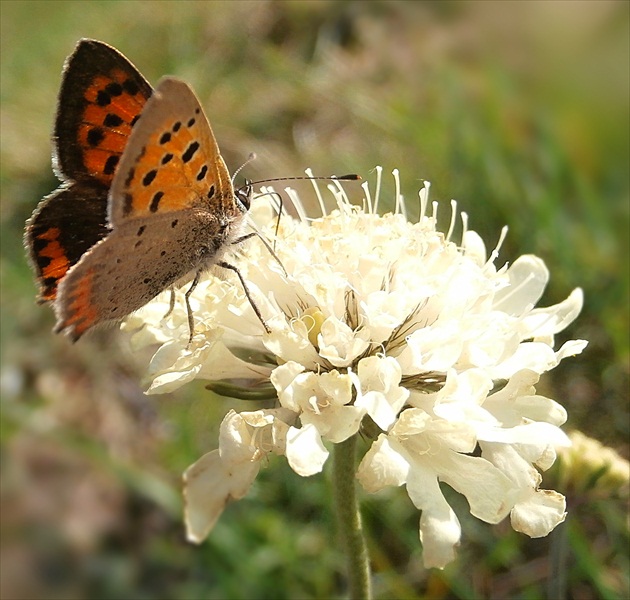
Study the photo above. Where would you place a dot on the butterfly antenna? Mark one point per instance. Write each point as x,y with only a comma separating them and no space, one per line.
280,209
250,184
252,157
348,177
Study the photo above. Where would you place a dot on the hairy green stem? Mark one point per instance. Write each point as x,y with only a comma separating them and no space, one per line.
559,548
349,520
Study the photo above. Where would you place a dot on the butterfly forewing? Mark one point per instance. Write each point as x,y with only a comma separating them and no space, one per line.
172,161
102,95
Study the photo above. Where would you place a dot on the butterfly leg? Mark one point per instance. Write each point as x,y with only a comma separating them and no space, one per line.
265,243
171,304
246,289
244,237
280,208
189,291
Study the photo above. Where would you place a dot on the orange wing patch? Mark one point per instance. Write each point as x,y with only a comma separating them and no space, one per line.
173,159
52,253
113,105
102,95
80,312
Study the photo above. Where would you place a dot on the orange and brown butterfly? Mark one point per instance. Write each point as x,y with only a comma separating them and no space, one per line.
145,202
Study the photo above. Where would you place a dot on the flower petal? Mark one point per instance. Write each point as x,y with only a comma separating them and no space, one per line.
542,513
209,484
549,321
382,466
305,452
528,277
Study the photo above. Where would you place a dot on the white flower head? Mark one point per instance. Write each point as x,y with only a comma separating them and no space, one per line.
377,324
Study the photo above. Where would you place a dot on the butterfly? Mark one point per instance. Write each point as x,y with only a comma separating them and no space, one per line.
145,201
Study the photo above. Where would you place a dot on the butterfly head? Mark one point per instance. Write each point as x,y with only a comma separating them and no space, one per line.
243,196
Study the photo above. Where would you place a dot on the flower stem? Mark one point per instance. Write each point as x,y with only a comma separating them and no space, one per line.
349,519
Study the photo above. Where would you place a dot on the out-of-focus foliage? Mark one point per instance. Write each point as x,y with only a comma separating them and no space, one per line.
519,110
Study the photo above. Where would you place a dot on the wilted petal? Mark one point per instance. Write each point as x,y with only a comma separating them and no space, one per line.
173,365
540,514
209,484
170,368
252,435
488,491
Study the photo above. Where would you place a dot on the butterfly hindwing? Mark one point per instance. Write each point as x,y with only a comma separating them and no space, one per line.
65,225
135,262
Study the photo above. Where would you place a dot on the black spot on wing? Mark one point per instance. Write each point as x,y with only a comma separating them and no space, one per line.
112,120
155,201
114,89
149,177
110,164
127,204
190,151
95,136
131,87
103,98
202,172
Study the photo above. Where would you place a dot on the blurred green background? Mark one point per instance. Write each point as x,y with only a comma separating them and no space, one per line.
519,110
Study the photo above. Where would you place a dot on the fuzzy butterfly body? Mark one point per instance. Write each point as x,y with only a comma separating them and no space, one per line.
145,200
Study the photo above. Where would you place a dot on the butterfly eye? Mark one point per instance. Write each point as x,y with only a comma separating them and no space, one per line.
244,196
